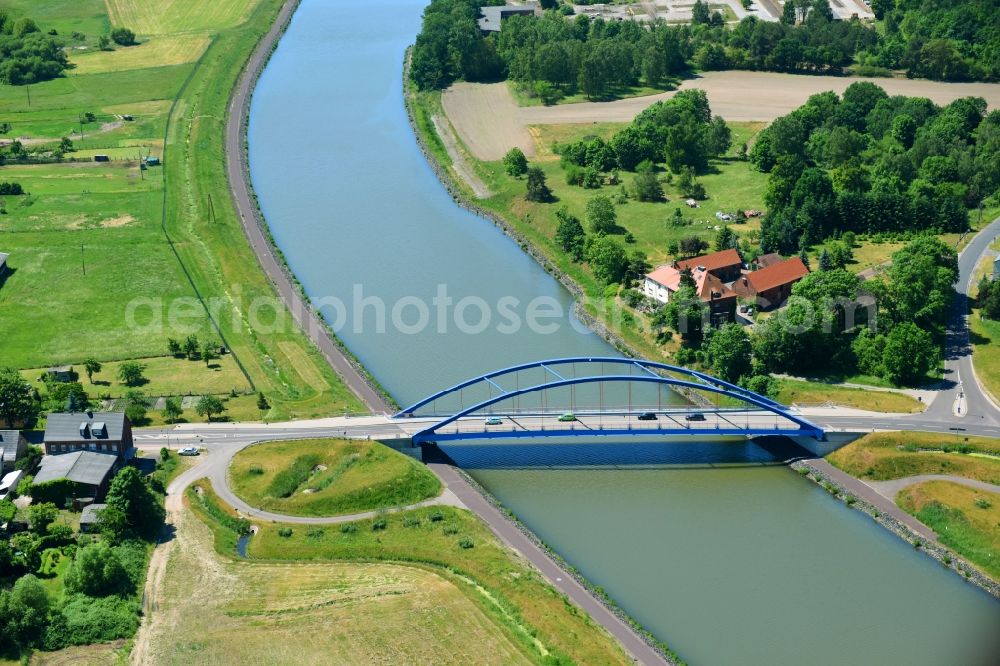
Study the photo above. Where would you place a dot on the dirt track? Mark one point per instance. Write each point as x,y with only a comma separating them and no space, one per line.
490,122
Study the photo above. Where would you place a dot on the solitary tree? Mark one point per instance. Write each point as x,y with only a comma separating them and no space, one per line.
209,352
601,215
537,188
174,347
18,403
172,410
515,163
130,373
570,234
90,366
135,406
209,405
262,404
191,347
123,36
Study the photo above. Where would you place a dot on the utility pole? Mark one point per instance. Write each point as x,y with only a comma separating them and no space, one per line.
83,260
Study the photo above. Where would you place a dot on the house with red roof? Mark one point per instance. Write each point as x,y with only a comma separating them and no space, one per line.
663,282
726,265
771,285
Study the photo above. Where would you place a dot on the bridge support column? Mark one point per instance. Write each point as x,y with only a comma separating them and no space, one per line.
430,452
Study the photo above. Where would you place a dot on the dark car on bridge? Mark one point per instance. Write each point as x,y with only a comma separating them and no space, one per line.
647,416
696,416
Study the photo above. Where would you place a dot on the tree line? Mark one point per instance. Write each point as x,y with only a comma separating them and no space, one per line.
557,55
870,163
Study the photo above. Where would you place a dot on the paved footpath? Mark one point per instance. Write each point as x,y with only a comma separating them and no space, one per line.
865,492
890,489
511,535
237,172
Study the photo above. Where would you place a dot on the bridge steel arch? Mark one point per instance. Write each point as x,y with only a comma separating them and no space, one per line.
805,428
703,380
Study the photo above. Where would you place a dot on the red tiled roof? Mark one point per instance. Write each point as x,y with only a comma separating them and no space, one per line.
714,261
705,283
775,275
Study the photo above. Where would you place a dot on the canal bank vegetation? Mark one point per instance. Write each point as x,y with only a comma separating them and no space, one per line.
965,519
329,477
89,224
531,621
894,455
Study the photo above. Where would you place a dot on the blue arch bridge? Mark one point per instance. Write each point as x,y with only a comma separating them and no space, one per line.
599,396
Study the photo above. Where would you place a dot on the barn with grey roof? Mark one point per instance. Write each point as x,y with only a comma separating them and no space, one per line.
89,471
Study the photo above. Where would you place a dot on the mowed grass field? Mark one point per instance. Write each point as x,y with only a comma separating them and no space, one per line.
537,623
93,243
218,610
966,520
328,477
894,455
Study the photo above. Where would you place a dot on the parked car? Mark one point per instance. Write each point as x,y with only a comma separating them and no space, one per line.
695,416
647,416
568,416
188,451
494,420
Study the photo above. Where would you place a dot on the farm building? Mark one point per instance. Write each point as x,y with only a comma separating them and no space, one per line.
88,474
493,17
771,286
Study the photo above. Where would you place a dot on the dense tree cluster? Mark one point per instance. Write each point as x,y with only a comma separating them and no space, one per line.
556,55
680,132
27,55
950,41
891,326
871,163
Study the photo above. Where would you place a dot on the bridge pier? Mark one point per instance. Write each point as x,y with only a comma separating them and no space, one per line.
430,452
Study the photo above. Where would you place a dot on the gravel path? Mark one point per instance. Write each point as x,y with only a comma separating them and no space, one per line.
489,121
237,171
891,488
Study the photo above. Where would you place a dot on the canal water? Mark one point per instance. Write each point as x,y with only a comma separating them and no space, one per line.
729,559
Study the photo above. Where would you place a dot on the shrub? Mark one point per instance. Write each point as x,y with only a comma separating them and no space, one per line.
123,36
285,532
466,543
436,517
411,521
449,530
255,470
379,524
287,481
315,533
11,189
983,503
348,528
850,499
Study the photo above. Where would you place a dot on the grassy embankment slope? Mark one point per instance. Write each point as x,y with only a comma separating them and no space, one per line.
90,238
985,336
731,185
965,519
328,477
481,603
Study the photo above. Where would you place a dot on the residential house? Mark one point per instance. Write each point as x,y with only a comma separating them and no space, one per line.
107,432
663,282
493,17
725,265
770,287
89,471
12,446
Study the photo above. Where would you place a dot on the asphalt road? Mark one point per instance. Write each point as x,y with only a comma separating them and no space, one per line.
960,376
